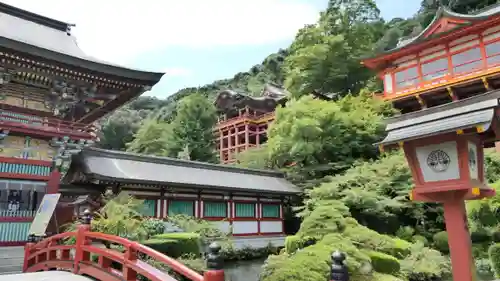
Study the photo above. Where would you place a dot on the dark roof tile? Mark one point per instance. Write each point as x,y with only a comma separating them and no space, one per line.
135,168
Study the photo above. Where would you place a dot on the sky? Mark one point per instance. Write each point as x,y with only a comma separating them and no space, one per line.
195,42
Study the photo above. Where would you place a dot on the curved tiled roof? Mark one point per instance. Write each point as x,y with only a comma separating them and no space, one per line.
40,36
271,97
444,12
134,168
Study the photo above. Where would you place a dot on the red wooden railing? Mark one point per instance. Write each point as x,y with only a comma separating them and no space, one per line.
52,254
20,121
245,117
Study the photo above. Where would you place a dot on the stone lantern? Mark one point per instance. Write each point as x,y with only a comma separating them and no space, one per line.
444,149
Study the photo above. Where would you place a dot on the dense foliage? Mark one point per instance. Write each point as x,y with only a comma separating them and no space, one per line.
355,198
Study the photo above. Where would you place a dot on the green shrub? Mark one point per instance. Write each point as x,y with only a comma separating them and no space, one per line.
313,263
480,236
384,263
384,277
405,232
494,255
425,264
373,240
400,248
296,242
175,244
441,241
483,267
168,247
420,239
153,226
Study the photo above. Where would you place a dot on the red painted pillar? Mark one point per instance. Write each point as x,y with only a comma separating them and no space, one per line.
54,181
455,215
27,252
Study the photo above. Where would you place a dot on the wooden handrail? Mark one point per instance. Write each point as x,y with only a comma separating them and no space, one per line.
16,119
51,253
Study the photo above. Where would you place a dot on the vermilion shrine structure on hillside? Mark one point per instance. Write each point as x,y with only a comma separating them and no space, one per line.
244,119
444,81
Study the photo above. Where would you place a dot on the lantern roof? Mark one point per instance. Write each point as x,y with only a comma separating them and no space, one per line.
474,112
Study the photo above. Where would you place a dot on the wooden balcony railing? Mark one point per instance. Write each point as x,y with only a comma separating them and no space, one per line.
48,126
257,119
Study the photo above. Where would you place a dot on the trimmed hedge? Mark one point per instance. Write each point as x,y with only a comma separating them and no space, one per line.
494,255
294,243
175,244
384,263
441,241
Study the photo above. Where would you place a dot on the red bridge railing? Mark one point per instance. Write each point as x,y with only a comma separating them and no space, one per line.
80,258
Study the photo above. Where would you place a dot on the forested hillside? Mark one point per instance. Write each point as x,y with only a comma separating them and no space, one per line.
355,198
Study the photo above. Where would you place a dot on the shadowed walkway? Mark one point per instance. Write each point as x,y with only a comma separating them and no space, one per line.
45,276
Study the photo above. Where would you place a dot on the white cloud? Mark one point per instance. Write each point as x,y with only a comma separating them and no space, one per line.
117,30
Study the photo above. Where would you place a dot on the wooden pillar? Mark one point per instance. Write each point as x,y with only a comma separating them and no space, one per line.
462,263
247,136
54,181
236,138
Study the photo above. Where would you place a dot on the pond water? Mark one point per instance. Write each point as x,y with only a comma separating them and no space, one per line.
244,270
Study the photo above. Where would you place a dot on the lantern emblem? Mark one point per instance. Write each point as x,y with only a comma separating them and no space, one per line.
438,161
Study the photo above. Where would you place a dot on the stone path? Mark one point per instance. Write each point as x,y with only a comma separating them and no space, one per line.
11,260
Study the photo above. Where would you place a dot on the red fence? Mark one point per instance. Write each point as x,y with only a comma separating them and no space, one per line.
22,121
85,257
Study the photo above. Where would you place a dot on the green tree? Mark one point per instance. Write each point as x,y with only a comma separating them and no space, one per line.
325,57
192,130
315,138
151,139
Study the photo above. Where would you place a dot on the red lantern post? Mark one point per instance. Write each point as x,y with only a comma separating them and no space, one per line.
444,149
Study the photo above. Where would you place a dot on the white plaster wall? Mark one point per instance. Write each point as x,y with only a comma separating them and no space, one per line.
159,213
243,227
224,226
271,226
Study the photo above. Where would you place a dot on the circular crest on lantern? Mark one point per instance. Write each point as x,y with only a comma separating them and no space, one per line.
438,161
472,158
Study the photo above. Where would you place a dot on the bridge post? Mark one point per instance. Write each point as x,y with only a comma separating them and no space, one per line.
27,251
338,271
81,241
215,264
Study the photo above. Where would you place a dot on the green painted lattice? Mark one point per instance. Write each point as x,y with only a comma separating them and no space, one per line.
24,169
270,211
245,210
179,207
14,231
148,208
214,209
21,118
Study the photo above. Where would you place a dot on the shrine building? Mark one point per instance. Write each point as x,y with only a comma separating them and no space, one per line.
455,57
245,202
51,93
244,119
